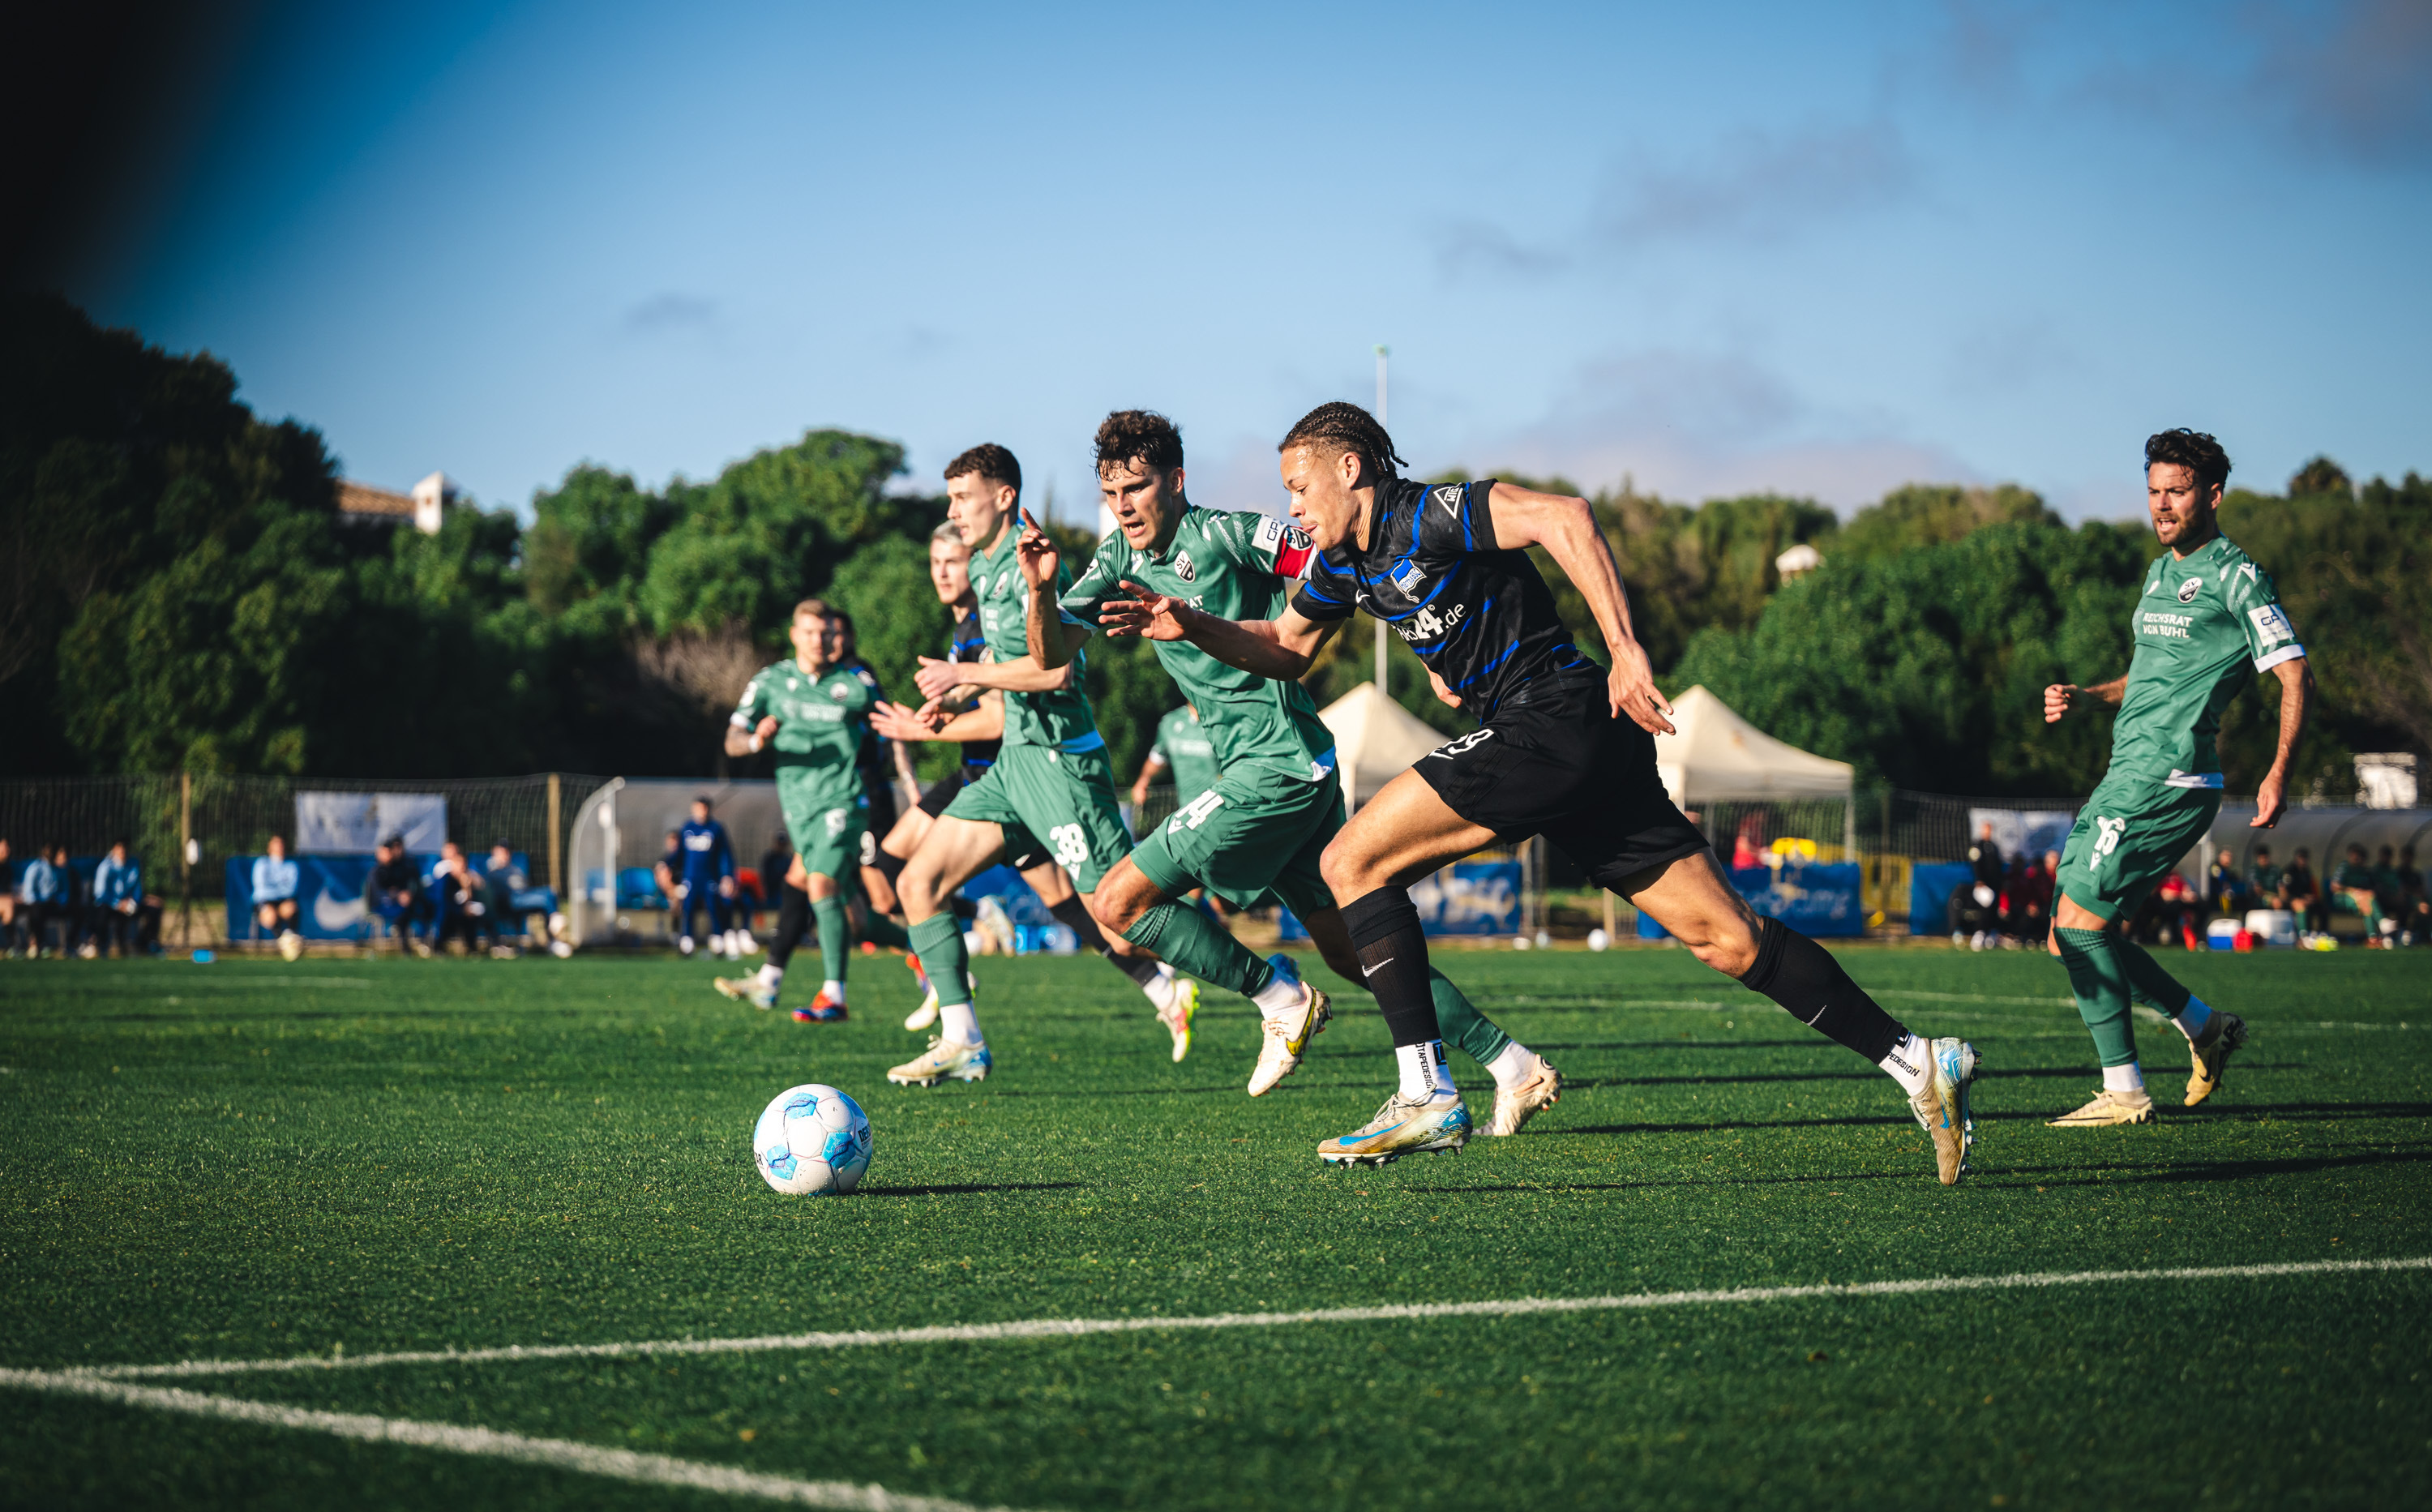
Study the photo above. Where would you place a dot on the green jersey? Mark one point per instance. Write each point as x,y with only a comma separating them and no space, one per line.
1059,719
2202,621
819,725
1184,748
1236,564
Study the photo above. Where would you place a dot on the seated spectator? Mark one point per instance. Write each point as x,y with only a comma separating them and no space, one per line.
116,913
8,899
454,889
668,874
1747,849
2390,891
1975,915
2224,889
394,895
2353,891
500,882
2169,913
46,896
2415,910
2300,894
2027,901
2263,880
275,882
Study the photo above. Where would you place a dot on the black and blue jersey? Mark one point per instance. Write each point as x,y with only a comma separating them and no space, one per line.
1477,615
970,644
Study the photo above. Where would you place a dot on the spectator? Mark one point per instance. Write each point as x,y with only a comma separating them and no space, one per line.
2415,910
117,907
668,874
275,882
2300,894
708,880
8,899
393,893
2224,890
2179,903
501,879
2353,891
1747,846
2026,914
1975,915
455,892
2263,881
45,895
1984,857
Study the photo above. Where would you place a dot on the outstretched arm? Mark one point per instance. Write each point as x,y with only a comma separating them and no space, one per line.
1566,528
2296,693
1281,648
2060,699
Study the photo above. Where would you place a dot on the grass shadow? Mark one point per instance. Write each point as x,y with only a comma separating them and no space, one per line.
968,1189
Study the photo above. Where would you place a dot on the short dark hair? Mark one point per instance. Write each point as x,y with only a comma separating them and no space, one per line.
2192,450
990,461
702,800
1139,435
1341,427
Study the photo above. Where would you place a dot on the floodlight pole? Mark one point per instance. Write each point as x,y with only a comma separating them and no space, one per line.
1383,353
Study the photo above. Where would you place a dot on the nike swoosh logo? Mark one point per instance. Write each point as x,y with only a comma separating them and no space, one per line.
1371,971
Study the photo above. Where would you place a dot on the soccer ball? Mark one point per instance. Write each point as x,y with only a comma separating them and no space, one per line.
812,1140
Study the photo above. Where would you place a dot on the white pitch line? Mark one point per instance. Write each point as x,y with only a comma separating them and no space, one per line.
1048,1328
561,1453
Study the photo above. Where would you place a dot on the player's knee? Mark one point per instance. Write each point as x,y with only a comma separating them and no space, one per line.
1346,873
1728,945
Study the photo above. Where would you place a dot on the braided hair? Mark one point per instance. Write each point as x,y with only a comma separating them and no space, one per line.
1341,427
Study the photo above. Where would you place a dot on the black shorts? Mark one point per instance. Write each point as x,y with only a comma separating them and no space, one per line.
1554,761
1022,848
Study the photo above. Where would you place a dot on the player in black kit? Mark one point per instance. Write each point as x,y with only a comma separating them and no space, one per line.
1565,748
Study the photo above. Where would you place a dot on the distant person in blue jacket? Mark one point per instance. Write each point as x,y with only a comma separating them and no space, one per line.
116,913
708,879
275,882
46,892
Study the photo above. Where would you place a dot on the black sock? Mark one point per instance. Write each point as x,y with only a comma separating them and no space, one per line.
1802,977
962,907
1073,914
793,917
1384,929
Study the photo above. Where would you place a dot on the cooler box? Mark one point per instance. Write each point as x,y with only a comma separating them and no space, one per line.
2222,934
2276,927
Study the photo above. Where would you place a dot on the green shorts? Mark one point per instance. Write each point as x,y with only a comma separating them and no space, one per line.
1257,831
1065,798
824,826
2127,838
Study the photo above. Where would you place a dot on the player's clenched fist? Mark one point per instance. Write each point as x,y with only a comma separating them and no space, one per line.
2058,702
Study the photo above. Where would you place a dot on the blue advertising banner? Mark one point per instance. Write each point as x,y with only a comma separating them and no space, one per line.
1817,899
1930,886
329,894
1467,898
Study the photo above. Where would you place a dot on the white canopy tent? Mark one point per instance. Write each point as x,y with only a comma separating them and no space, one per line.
1719,758
1375,740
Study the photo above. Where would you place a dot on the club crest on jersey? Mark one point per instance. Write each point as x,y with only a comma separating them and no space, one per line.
1408,577
1449,496
1182,568
2188,589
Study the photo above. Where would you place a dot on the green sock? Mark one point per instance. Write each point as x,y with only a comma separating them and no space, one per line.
2101,983
2148,982
937,940
1195,943
830,913
1462,1023
884,931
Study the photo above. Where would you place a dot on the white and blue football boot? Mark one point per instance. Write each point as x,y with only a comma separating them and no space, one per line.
1433,1125
944,1060
750,990
1942,1109
1285,1033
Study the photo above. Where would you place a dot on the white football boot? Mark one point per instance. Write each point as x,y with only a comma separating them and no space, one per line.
749,990
1514,1106
1286,1033
997,925
1433,1125
944,1060
1942,1109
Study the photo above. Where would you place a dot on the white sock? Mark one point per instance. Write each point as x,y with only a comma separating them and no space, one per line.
2193,1018
1911,1065
2123,1078
959,1023
1160,989
1278,995
1424,1072
833,990
772,976
1514,1066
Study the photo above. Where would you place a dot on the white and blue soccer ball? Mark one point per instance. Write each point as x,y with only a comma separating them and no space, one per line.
812,1140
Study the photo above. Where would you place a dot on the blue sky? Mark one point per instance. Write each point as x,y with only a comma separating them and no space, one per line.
1816,249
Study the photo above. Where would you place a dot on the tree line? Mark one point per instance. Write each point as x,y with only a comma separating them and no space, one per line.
178,589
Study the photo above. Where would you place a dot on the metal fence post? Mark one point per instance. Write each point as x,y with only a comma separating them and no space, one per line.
556,841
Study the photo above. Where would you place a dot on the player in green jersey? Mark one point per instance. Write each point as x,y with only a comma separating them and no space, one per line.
2206,613
1049,785
1257,832
813,713
1182,748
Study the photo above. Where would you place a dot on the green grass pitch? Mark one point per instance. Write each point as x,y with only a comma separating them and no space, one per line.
250,1159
